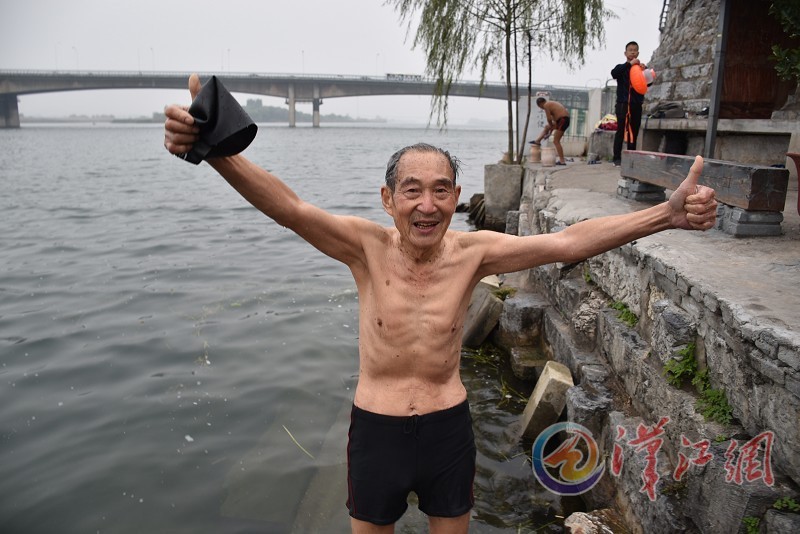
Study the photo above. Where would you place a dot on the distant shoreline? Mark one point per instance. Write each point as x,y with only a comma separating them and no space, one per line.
83,119
338,119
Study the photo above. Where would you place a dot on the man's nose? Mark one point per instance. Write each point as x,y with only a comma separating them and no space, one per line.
427,204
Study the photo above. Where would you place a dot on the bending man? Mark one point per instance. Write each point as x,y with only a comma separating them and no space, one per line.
557,121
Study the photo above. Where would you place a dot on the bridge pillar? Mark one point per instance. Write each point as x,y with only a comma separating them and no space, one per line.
292,103
316,103
9,111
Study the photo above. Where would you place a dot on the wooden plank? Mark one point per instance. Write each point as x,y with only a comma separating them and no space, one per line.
746,186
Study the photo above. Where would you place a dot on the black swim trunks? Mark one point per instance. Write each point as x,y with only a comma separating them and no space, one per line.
562,124
432,455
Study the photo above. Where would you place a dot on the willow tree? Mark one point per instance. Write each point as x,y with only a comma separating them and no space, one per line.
457,35
787,60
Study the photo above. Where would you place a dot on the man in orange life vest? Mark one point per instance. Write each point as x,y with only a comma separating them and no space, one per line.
629,103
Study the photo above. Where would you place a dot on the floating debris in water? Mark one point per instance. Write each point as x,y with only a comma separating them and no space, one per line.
296,443
188,438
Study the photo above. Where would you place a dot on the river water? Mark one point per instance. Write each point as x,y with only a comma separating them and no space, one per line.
170,359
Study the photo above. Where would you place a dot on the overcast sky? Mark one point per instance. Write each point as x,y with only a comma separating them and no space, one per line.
359,37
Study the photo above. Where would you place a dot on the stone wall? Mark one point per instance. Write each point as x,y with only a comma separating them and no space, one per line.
684,60
620,382
501,193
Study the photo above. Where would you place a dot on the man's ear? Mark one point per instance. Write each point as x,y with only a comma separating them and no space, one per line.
458,193
386,200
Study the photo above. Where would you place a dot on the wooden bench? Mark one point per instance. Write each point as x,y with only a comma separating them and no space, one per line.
752,197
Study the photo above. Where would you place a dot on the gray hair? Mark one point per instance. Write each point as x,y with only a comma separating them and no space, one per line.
391,167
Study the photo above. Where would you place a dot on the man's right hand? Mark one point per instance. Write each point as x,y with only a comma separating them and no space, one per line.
180,133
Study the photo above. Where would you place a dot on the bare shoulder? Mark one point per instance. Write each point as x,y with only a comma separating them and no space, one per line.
477,237
479,242
345,238
463,239
372,234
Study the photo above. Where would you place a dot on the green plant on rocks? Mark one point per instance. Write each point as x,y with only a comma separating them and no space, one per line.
714,406
788,504
713,403
587,275
721,438
701,381
684,366
751,524
625,314
505,292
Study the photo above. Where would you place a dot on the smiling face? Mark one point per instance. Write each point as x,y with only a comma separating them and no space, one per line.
423,201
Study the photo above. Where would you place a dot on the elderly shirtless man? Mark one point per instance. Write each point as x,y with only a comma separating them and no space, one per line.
557,121
410,428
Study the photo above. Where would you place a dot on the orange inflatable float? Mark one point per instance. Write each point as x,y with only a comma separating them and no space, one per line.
641,78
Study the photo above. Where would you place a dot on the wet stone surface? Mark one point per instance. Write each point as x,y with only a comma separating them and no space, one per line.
507,496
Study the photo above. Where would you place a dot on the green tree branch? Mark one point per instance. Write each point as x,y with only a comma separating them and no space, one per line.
787,60
458,35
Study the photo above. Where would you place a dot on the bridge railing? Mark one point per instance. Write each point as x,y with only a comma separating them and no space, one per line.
172,74
388,77
304,85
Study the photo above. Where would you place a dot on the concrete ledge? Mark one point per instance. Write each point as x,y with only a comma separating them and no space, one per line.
527,363
520,321
601,144
483,312
502,186
750,126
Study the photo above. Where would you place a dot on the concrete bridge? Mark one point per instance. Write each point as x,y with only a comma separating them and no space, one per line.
293,88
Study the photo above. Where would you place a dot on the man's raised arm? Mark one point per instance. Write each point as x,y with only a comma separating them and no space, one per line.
690,207
334,235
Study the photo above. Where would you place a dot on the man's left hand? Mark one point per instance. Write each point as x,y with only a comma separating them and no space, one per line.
693,206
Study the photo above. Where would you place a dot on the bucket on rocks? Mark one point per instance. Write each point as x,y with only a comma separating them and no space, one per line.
548,156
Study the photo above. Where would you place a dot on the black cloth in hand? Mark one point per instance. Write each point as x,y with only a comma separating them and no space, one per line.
225,128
